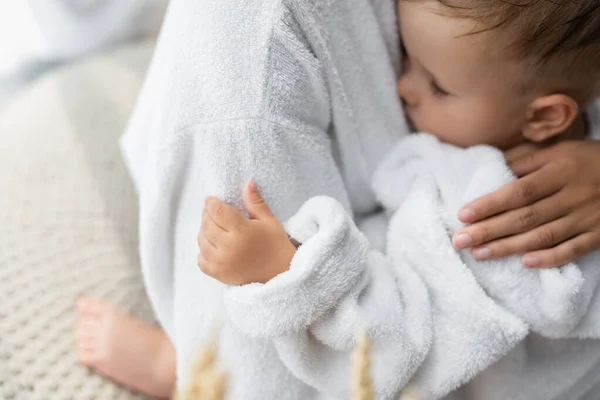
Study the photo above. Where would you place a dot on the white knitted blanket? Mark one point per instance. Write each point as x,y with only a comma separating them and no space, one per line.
68,222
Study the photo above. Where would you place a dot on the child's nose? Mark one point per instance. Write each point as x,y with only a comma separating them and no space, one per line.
409,96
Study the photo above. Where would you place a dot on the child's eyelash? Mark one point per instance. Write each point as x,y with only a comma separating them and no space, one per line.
436,90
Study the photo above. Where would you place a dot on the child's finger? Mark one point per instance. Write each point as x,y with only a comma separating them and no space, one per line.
205,255
206,246
204,265
213,232
224,215
255,205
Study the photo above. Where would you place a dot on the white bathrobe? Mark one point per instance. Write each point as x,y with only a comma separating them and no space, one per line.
435,316
297,94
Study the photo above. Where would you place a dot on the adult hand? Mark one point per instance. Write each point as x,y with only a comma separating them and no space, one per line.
552,213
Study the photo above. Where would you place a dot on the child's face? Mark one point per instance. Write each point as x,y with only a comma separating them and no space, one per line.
457,86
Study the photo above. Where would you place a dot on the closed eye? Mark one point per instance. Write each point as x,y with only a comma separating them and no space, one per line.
436,90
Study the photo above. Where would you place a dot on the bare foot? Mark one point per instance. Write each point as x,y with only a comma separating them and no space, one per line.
124,349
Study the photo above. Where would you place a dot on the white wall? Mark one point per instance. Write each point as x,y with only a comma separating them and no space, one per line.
59,30
19,36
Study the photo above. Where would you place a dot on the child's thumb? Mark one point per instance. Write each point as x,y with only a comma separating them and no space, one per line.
254,203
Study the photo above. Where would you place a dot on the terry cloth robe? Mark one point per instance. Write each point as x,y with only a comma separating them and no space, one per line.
435,317
296,94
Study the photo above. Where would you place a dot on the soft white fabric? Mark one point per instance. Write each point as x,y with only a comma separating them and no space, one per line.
551,301
434,315
314,311
297,94
555,304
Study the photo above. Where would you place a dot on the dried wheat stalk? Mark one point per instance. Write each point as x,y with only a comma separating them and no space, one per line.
206,383
410,393
363,385
362,382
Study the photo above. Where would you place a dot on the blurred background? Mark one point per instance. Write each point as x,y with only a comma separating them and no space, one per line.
37,35
70,73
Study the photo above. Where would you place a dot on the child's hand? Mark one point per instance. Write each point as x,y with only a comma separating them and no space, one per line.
236,250
553,211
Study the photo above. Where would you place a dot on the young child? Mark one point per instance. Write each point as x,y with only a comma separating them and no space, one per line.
476,73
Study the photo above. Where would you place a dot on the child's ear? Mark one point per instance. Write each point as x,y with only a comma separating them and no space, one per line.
549,116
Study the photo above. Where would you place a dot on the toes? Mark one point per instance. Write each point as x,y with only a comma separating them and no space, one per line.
85,329
87,356
98,307
84,357
86,343
85,305
86,347
94,321
88,329
89,348
88,323
88,307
